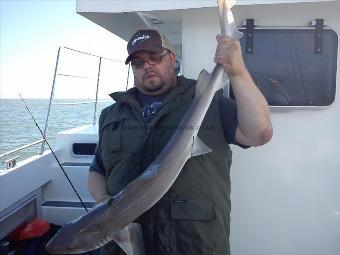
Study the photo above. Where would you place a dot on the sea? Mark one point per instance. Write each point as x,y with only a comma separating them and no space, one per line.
17,127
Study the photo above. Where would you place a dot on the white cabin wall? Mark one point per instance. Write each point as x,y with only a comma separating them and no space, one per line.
200,26
286,194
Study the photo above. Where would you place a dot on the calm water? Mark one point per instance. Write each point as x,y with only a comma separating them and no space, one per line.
17,127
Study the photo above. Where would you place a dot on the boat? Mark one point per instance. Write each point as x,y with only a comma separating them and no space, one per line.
286,194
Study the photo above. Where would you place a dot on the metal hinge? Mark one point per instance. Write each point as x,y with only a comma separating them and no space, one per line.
249,34
319,26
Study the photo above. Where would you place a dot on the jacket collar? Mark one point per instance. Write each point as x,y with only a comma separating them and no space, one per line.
178,95
131,96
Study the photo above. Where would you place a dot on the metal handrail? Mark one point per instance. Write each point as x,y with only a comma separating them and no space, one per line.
21,148
90,54
97,89
50,102
85,102
56,74
54,82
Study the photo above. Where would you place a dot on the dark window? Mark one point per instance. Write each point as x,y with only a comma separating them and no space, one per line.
287,70
84,148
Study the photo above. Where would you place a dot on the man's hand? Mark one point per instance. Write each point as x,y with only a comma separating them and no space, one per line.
229,55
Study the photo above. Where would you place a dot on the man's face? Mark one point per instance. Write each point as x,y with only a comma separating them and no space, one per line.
154,73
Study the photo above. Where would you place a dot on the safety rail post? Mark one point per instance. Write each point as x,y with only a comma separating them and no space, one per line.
96,102
128,77
50,103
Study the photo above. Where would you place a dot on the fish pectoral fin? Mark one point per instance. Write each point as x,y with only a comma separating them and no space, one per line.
199,147
136,236
130,239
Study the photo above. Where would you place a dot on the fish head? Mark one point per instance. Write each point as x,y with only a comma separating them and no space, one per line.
71,239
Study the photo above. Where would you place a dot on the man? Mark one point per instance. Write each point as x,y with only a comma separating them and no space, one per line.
193,217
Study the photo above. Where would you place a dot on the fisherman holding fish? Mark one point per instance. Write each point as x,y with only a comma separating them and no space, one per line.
160,174
193,217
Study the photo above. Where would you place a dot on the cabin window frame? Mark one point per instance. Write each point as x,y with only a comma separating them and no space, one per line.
81,149
274,102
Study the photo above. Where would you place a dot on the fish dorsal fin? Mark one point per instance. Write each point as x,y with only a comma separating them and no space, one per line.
130,239
202,82
199,147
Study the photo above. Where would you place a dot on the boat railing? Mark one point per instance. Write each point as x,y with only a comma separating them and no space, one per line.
11,162
97,85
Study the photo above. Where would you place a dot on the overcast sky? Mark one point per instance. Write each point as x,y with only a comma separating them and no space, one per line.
31,33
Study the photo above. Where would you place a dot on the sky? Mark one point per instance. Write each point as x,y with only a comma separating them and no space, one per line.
31,31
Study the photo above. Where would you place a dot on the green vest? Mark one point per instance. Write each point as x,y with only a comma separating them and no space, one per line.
193,217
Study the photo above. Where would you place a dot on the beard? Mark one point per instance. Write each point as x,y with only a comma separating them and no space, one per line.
154,83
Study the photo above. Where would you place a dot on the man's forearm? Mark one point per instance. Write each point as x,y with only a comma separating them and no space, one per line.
254,126
97,186
252,111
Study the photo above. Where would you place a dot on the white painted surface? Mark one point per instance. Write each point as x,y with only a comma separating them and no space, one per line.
29,175
65,140
60,189
75,166
118,6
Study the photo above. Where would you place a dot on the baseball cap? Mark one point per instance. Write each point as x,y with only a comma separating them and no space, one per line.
147,40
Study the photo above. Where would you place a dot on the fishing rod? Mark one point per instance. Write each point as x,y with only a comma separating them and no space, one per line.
55,156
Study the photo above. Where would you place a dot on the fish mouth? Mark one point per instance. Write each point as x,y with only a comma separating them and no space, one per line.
56,249
61,249
61,244
57,246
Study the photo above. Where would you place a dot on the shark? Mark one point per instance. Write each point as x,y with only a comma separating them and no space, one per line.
113,219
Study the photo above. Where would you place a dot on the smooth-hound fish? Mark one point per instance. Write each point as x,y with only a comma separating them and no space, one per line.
112,220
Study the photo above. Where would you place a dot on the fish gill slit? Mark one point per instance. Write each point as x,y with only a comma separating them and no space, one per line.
105,238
